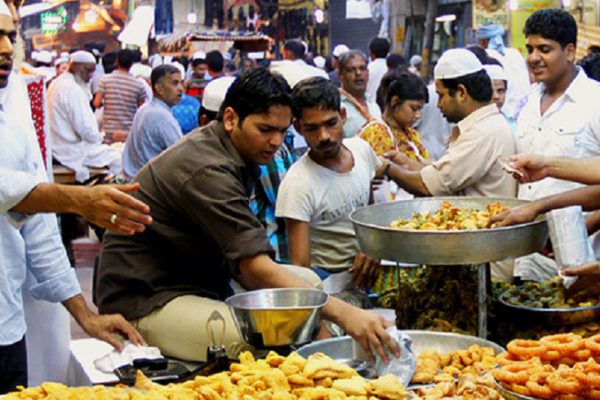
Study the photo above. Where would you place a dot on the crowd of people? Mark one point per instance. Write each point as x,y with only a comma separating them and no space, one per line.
244,177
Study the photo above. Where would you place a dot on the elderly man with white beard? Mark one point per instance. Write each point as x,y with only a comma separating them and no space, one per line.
76,138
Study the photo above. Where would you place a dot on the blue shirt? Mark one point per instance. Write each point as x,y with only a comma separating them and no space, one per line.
27,243
186,113
154,129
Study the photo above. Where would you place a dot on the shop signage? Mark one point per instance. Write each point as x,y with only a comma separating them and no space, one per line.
490,12
53,21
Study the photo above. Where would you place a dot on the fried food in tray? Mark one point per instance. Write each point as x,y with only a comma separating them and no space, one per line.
554,367
450,218
317,377
470,386
434,367
547,294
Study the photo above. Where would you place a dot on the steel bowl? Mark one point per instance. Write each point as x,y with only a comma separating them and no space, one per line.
273,318
550,316
379,241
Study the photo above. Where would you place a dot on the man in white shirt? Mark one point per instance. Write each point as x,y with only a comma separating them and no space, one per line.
321,189
378,50
354,75
76,139
561,117
32,244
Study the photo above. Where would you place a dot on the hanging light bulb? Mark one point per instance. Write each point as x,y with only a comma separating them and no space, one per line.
566,3
514,5
192,18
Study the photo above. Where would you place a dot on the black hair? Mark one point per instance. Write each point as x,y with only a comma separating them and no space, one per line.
125,58
379,47
553,24
316,92
210,115
161,71
406,86
109,61
215,61
479,52
230,67
348,55
478,85
395,60
296,47
593,48
198,61
137,56
591,65
493,61
254,92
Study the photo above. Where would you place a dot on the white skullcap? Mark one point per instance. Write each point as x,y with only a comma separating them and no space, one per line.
495,72
214,93
45,57
319,62
293,72
60,60
455,63
82,56
339,50
34,55
180,67
416,59
199,55
4,10
64,54
142,70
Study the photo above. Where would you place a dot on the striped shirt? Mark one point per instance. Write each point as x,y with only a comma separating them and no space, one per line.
122,93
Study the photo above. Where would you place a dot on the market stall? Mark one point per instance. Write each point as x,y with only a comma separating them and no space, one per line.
189,42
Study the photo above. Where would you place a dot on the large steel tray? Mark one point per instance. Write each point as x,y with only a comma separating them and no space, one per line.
550,316
379,241
344,347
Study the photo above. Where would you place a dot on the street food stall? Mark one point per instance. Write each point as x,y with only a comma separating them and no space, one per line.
189,42
451,232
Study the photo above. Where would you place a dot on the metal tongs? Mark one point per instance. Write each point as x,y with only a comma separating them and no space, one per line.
217,348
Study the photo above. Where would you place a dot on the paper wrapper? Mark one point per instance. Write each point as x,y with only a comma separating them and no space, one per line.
131,352
569,237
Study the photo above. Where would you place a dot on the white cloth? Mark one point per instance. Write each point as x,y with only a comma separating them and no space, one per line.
325,198
115,358
377,68
354,119
569,128
296,71
77,142
519,85
433,127
82,56
215,91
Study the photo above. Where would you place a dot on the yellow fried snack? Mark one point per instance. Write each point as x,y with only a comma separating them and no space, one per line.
319,366
450,218
387,387
356,386
275,378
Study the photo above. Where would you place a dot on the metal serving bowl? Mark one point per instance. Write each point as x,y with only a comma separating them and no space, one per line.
380,241
550,316
272,318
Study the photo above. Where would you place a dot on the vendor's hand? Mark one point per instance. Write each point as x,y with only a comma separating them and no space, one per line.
398,158
100,203
532,166
368,329
364,271
588,280
518,215
105,327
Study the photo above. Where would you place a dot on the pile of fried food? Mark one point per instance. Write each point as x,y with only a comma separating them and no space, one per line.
450,218
563,366
458,374
317,377
547,294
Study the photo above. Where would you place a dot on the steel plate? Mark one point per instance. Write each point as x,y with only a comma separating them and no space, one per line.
344,347
380,241
551,316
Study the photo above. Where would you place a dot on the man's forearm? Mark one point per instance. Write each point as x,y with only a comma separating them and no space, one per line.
51,197
587,197
586,170
408,180
78,308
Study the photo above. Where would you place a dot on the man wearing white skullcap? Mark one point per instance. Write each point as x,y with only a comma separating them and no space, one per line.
499,83
214,94
31,246
335,59
76,138
469,166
